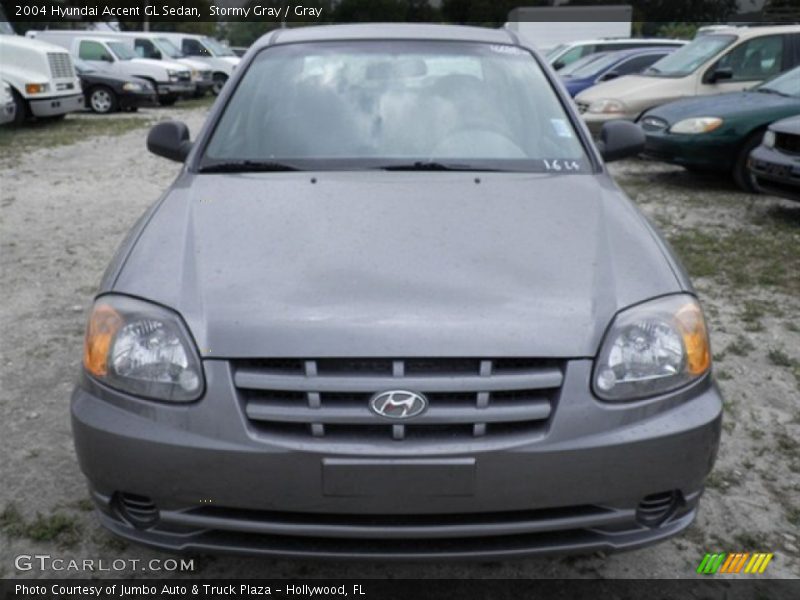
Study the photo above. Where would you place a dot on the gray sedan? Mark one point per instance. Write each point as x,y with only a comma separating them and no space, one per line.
394,306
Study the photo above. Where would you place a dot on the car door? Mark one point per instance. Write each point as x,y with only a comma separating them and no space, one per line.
96,54
749,63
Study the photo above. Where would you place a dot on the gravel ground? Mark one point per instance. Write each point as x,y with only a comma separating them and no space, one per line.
64,209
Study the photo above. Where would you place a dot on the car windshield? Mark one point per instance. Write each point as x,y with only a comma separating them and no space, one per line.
121,51
787,84
688,58
168,48
589,65
552,52
216,48
432,105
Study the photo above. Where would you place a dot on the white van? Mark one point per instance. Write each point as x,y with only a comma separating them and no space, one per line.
154,46
171,80
219,58
41,77
727,59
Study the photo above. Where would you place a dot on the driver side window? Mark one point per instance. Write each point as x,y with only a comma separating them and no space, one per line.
146,49
93,51
754,60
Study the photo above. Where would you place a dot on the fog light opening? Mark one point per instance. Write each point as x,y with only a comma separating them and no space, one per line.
656,509
139,511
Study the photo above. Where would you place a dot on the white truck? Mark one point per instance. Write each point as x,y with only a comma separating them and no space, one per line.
153,45
171,80
41,77
219,58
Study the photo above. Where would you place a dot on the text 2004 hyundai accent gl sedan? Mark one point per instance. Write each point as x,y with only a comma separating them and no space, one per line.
394,306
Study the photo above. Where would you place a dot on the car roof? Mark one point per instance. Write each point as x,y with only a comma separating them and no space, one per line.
387,31
621,40
744,32
620,54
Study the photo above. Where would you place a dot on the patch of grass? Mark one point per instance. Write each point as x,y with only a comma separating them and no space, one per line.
722,375
787,444
743,258
751,316
779,358
85,505
749,540
793,515
741,346
792,326
57,527
17,141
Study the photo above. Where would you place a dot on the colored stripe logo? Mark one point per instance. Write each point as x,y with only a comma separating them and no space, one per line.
734,563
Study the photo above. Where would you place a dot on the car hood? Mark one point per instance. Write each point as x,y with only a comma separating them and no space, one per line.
162,64
634,89
790,125
101,76
396,264
734,104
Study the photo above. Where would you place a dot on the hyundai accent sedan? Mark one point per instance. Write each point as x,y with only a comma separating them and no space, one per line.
394,306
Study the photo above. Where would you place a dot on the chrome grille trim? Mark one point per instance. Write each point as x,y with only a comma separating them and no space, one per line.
329,398
60,65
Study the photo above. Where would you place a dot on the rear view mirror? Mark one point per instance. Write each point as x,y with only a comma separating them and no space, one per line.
720,74
558,65
170,139
106,58
608,76
620,139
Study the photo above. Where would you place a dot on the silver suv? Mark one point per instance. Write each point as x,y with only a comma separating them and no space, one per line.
394,306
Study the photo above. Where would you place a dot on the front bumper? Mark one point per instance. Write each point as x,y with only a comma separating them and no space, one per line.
56,105
703,151
217,484
165,89
137,99
775,173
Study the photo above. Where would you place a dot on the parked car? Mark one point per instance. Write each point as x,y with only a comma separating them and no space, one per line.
355,328
719,132
41,76
107,93
610,65
565,54
219,58
170,80
8,109
728,60
775,164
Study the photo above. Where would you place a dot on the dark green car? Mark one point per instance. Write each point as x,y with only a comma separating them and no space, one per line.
717,133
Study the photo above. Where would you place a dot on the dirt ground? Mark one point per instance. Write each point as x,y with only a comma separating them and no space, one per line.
64,209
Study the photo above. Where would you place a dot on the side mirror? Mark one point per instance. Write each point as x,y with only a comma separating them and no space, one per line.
558,65
720,74
608,76
620,139
106,58
170,139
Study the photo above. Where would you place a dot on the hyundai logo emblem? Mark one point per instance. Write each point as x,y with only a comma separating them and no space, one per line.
398,404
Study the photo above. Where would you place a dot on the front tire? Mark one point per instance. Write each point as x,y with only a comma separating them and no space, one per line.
167,100
20,108
103,100
219,83
741,174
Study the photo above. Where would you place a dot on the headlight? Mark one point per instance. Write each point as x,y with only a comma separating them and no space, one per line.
132,87
696,125
172,73
606,105
652,348
769,139
142,349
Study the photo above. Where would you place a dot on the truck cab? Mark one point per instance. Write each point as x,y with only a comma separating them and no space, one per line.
217,56
106,53
41,77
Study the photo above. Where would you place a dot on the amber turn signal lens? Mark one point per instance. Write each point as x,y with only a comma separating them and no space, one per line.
692,326
34,88
104,322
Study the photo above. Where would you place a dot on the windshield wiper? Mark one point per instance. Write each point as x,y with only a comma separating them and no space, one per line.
247,166
421,165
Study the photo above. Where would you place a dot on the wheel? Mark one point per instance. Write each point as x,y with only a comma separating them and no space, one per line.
20,108
741,175
219,82
103,100
167,100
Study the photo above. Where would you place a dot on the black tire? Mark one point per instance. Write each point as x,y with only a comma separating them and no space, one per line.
167,100
103,100
20,108
741,175
219,83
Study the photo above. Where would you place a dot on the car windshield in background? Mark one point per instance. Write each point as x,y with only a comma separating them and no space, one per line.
554,51
596,64
216,48
429,105
787,84
168,48
686,59
121,51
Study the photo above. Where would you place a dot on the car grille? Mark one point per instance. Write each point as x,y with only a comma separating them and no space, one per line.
467,398
184,76
653,124
60,65
582,107
205,76
786,142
